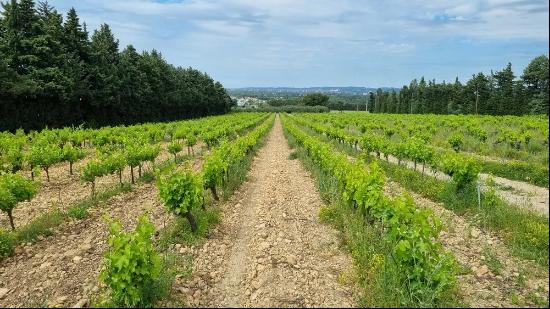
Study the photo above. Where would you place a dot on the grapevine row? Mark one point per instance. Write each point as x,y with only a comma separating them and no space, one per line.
182,191
462,169
526,147
408,230
114,151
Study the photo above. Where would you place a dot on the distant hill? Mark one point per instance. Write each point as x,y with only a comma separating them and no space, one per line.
335,90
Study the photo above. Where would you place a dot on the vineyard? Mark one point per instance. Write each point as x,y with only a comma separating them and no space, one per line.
289,209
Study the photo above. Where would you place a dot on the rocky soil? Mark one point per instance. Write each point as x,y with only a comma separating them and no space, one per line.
63,269
270,248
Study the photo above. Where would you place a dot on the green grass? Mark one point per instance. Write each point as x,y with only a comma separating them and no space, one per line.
293,155
6,244
180,230
492,261
41,226
236,175
516,170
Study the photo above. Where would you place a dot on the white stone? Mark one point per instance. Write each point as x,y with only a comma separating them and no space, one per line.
3,292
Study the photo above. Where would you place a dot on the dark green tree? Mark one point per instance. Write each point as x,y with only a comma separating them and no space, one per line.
312,99
535,79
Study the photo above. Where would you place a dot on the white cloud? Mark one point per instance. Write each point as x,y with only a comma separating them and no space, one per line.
324,38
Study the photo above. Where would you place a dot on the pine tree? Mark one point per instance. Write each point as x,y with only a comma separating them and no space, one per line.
535,80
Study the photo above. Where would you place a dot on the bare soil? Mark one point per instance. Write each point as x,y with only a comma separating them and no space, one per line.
270,250
63,269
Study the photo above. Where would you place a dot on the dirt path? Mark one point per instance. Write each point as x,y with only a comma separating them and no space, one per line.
519,193
269,248
493,277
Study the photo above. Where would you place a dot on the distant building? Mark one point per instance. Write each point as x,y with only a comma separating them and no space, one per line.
249,102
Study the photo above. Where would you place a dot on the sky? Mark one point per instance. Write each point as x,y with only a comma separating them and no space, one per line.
303,43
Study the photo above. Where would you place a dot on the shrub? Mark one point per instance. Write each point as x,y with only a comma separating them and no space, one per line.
132,265
91,171
455,141
45,155
463,170
190,141
72,154
181,192
174,147
6,244
14,188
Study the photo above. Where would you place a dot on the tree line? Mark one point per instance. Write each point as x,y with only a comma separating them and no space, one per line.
497,93
52,73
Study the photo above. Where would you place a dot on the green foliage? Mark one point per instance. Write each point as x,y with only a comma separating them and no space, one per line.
315,99
78,212
181,191
535,78
93,169
149,153
133,154
191,140
518,170
44,154
464,171
132,265
11,151
523,231
46,65
213,170
181,231
216,165
432,272
72,154
370,143
114,163
418,150
6,244
41,226
456,142
174,147
14,188
285,109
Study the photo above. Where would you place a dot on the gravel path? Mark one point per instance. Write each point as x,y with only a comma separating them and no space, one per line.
270,250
